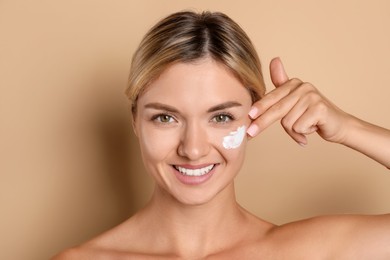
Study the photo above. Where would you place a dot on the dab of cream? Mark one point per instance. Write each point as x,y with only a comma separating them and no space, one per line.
234,139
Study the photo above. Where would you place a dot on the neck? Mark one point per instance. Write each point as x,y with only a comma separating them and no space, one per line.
202,227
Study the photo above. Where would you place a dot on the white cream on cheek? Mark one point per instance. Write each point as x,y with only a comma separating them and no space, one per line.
235,138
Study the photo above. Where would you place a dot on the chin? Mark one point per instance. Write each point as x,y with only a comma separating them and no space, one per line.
195,200
198,196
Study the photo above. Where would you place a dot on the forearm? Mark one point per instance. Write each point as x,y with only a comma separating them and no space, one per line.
369,139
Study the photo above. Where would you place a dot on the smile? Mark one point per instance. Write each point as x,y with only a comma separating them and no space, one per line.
194,172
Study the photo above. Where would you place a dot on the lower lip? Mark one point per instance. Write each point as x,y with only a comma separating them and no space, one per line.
193,180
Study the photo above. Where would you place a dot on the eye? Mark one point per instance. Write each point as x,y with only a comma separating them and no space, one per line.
163,118
222,118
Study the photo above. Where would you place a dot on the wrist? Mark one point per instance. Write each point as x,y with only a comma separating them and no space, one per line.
353,128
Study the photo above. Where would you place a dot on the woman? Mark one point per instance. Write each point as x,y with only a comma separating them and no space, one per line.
197,94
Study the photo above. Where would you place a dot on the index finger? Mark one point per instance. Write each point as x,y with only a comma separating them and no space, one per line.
273,97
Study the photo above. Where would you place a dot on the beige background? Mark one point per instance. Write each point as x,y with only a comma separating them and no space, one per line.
70,167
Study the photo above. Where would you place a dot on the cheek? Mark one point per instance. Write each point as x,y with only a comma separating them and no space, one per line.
231,143
156,145
234,139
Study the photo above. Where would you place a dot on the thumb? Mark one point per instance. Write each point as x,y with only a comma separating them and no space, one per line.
278,75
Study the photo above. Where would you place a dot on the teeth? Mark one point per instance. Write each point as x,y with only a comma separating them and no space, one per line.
195,172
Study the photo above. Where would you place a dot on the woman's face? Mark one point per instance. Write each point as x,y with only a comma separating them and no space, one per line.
191,124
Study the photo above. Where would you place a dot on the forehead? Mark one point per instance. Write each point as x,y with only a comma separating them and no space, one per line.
205,82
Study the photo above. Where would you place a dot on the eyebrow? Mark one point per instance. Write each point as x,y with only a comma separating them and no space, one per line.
225,105
160,106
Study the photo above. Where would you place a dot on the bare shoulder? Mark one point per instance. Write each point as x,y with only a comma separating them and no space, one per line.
70,253
336,237
120,242
73,253
96,253
88,252
99,247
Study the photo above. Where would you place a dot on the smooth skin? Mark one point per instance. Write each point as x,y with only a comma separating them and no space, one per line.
178,225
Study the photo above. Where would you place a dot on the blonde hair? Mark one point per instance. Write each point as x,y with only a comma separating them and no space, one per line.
188,37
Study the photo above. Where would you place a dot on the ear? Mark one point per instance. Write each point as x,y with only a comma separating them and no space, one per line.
134,123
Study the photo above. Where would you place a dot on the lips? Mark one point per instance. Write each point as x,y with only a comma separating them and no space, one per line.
194,175
194,171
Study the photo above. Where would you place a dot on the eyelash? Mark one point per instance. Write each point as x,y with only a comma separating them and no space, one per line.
228,118
157,118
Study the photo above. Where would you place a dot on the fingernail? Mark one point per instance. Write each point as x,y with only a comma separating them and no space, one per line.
252,130
253,112
302,144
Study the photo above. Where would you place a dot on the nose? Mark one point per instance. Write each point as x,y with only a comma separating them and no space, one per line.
194,143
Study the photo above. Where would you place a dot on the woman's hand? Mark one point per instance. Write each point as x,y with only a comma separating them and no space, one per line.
302,110
300,107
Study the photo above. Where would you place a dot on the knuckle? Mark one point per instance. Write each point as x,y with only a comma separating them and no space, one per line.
313,97
297,129
285,126
310,92
286,123
322,107
295,81
308,87
300,128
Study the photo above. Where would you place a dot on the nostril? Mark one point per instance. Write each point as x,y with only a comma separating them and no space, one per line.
194,143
